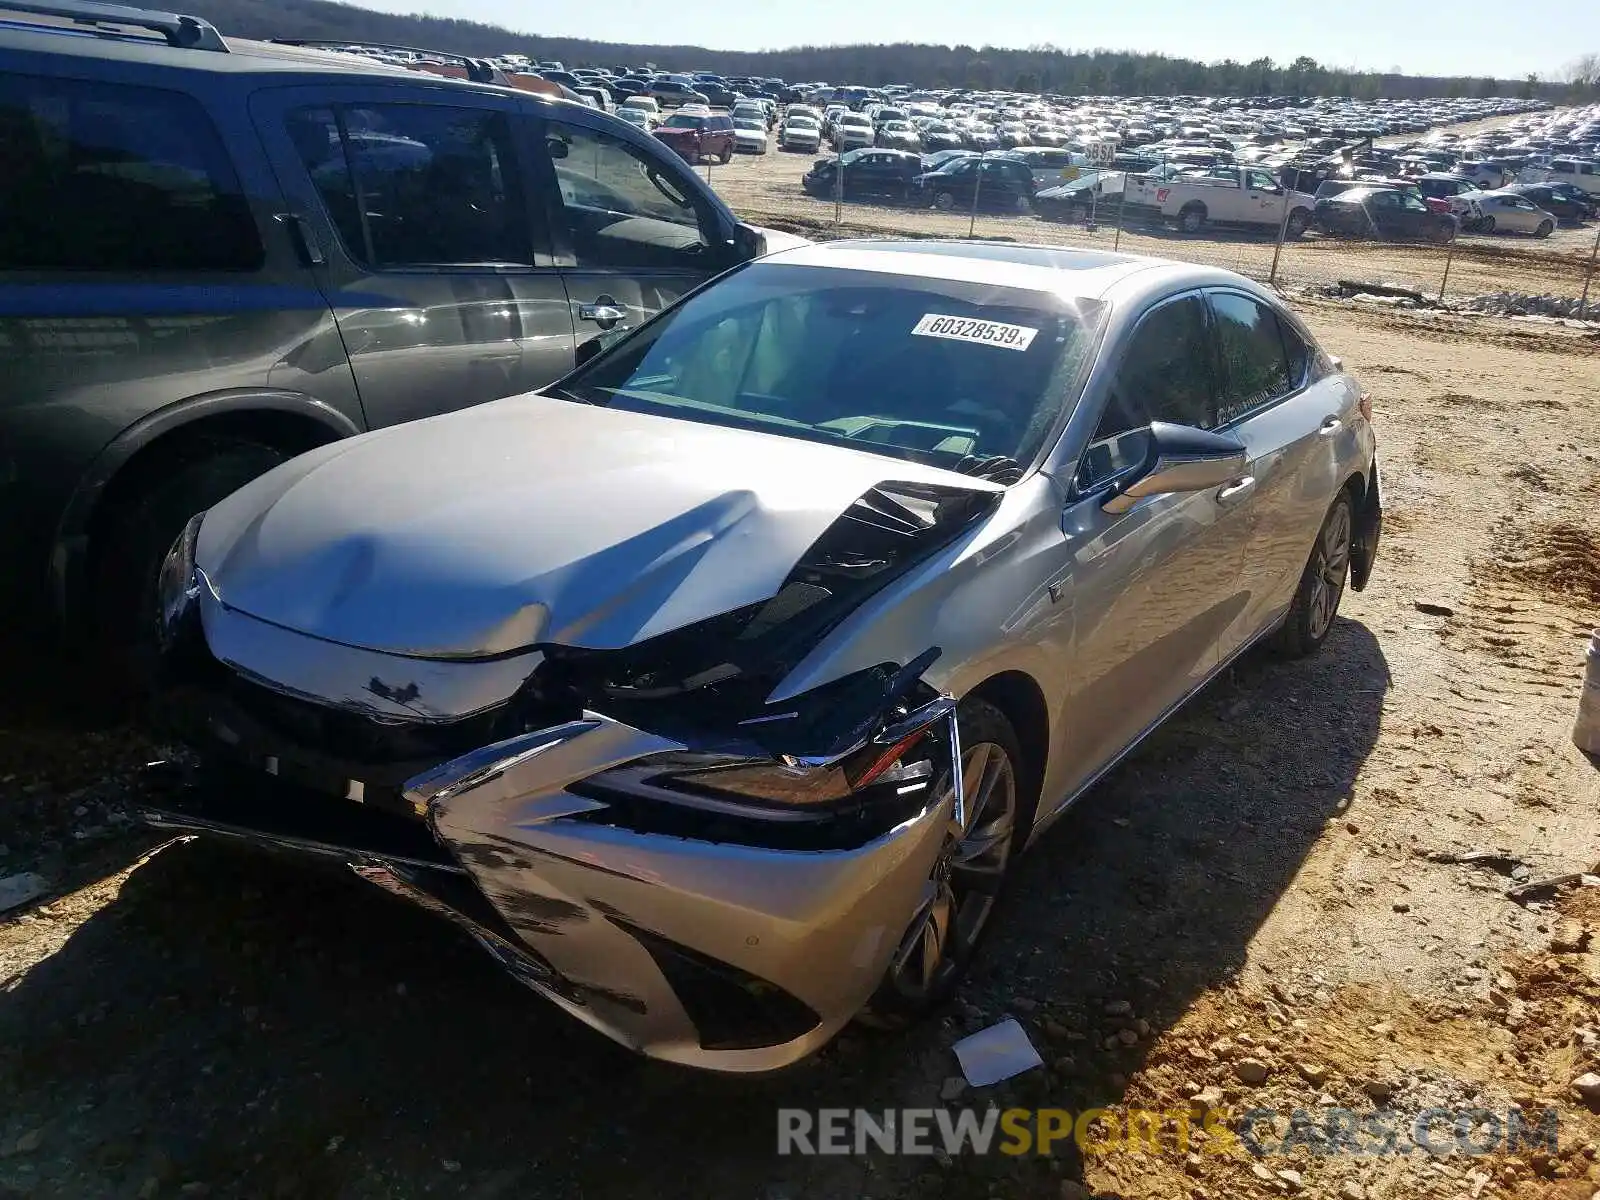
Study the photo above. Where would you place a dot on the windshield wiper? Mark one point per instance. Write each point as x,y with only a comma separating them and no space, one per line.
997,468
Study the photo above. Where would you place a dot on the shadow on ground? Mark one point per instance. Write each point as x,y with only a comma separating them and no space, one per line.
241,1023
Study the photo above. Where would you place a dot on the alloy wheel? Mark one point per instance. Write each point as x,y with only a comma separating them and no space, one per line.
960,895
1331,566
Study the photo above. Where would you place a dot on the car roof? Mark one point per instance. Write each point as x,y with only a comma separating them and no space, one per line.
1087,274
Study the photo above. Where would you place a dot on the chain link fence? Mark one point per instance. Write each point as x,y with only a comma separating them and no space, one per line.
1468,269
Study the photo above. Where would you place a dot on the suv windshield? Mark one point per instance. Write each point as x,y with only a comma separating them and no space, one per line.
953,374
679,121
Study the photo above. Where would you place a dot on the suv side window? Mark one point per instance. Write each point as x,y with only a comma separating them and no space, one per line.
417,185
623,209
1255,370
1166,374
106,177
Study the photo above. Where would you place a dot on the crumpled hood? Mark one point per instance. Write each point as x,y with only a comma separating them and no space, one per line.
530,520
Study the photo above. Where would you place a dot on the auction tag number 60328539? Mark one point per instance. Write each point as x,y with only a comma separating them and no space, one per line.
974,329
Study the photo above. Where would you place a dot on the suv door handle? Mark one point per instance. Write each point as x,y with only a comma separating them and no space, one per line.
1329,427
305,242
1236,490
603,312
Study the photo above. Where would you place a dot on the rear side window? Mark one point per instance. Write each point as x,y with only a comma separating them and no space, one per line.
1255,370
108,178
417,185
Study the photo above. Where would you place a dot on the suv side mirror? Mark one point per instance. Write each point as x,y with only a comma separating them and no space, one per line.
1178,458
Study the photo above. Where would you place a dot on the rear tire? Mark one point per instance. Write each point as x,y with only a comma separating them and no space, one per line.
1322,584
968,880
137,539
1192,217
1486,225
944,201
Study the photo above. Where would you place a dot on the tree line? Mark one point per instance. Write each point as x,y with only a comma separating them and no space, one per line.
1044,68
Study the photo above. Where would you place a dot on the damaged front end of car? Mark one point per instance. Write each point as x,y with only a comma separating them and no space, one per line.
636,833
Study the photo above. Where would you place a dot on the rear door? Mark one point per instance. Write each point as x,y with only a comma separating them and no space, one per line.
631,230
1294,417
413,204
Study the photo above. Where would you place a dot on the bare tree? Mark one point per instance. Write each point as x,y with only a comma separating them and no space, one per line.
1585,70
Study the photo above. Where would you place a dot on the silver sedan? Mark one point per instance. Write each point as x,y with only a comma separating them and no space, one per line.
1512,212
716,688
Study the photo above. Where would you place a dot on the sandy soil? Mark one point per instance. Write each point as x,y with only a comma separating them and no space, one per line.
766,189
1280,875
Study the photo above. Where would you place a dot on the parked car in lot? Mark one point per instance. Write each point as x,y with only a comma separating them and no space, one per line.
898,135
750,135
1077,199
699,135
993,183
800,131
1506,211
1461,195
887,552
851,131
1387,214
1229,195
672,93
1562,201
868,174
198,289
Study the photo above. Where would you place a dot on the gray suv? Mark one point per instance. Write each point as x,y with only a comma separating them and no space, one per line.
216,254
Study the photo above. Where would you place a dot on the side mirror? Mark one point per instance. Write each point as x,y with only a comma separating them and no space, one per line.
558,148
1179,458
749,241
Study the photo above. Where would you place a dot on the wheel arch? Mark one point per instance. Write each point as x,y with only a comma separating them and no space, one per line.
1021,701
291,422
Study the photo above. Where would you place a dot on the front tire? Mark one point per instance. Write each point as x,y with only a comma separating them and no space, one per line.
1486,225
1322,584
1299,222
976,863
1546,228
944,201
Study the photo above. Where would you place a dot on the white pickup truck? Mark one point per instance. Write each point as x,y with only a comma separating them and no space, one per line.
1224,195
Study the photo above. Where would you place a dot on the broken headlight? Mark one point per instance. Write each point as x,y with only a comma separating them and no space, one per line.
178,583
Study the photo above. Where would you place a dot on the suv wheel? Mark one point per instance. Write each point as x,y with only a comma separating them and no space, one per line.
143,530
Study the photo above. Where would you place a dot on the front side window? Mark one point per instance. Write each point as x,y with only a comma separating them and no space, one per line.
1255,370
1165,374
106,177
417,185
931,370
624,208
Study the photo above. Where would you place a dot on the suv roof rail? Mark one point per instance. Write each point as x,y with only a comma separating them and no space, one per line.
184,32
478,69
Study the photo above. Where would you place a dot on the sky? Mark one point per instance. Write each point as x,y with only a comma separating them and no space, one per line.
1423,37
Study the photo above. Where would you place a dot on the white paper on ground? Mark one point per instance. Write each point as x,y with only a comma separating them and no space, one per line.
996,1053
19,889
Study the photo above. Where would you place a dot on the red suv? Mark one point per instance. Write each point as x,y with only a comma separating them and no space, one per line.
699,135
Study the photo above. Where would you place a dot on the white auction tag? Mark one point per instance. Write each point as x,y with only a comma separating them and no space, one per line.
971,329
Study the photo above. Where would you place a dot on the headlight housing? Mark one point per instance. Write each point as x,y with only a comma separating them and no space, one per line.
178,583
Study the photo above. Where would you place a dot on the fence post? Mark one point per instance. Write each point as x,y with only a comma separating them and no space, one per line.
838,188
1093,223
977,186
1583,305
1449,256
1283,232
1117,243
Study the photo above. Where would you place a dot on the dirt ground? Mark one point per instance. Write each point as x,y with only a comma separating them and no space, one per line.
766,189
1273,904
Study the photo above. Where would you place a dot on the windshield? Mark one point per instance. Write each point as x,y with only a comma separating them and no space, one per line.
679,121
965,376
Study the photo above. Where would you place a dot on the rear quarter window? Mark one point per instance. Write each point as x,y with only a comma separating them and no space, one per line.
109,178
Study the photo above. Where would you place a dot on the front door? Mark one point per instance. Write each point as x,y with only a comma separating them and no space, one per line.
414,209
1156,589
630,234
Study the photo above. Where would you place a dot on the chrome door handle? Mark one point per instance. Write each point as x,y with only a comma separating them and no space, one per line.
1236,490
602,314
1329,427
